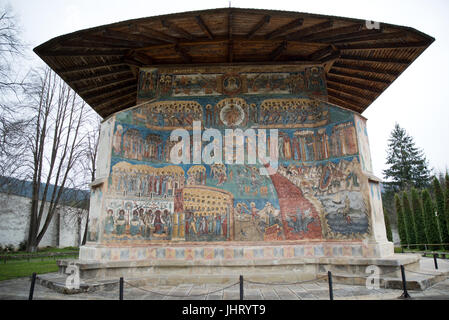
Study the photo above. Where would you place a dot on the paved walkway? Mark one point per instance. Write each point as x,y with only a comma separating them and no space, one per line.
18,289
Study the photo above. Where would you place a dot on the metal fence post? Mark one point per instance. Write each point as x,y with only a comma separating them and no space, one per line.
121,289
405,294
241,287
331,289
33,281
435,256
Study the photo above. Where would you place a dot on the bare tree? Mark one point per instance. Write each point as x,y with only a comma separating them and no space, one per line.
12,124
55,144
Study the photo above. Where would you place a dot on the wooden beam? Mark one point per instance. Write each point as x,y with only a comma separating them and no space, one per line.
171,26
183,53
141,57
103,85
371,37
204,27
348,99
90,44
132,62
99,75
346,104
93,66
121,106
332,57
341,65
278,51
374,60
109,100
356,76
285,28
264,21
78,53
230,51
110,91
329,34
368,96
230,18
381,46
129,36
111,41
321,53
158,35
298,35
339,81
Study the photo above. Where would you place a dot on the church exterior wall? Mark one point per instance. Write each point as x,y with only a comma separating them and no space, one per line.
323,200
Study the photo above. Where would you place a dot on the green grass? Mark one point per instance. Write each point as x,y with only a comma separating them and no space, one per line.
44,250
23,268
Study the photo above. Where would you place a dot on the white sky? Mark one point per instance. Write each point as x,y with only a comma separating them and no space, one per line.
417,100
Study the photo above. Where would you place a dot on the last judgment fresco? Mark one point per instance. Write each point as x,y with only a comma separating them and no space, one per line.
319,189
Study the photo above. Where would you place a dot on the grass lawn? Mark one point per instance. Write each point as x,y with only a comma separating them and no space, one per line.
23,268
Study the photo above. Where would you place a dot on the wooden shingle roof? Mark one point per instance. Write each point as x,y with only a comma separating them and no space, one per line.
361,61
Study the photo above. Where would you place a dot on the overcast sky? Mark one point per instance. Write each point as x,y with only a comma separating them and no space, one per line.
417,100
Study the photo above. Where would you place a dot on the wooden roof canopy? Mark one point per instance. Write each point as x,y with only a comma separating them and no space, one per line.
100,63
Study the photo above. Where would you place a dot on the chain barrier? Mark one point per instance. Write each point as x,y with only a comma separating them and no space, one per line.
181,296
287,284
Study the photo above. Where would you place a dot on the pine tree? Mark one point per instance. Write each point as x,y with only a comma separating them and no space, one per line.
401,224
418,218
439,200
388,227
407,164
408,219
430,220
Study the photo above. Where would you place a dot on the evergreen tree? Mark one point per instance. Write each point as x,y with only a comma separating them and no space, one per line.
446,200
408,220
439,200
388,227
407,165
430,220
418,218
401,224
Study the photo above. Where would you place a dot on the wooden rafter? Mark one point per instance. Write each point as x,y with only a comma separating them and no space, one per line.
327,35
370,37
264,21
100,75
142,57
357,76
204,27
117,97
363,95
374,60
110,91
385,45
343,102
91,39
298,35
144,40
278,51
173,27
321,53
341,65
93,66
80,53
339,81
183,53
230,41
132,62
285,28
157,34
105,84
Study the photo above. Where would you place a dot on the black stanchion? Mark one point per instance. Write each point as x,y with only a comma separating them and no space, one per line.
121,289
331,290
405,294
241,287
435,256
33,282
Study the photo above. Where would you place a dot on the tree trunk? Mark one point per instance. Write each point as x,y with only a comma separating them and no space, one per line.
85,230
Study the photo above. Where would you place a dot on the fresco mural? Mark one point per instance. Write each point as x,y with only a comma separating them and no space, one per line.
319,191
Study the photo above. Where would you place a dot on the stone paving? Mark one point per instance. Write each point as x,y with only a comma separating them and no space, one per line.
18,289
